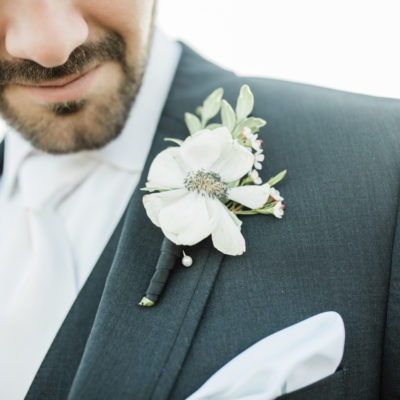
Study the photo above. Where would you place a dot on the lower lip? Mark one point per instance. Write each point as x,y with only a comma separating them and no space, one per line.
68,92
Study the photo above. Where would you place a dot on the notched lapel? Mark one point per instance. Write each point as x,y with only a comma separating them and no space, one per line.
1,157
122,350
136,352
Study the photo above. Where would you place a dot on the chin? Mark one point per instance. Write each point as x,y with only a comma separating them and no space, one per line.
84,124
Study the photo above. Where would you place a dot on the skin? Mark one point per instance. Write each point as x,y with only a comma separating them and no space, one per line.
44,40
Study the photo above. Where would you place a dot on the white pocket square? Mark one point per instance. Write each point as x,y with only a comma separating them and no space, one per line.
288,360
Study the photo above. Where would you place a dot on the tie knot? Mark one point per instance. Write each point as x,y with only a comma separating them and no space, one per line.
45,179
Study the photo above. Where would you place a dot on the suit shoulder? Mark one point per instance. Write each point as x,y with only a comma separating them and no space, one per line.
307,98
289,103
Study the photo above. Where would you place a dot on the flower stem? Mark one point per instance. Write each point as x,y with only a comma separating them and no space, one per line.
266,210
169,254
237,208
250,212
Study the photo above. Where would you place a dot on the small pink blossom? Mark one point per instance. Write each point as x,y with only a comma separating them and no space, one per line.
278,209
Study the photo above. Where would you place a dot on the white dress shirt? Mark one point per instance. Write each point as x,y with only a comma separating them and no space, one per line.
89,213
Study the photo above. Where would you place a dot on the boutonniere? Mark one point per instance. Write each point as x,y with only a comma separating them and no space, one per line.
200,186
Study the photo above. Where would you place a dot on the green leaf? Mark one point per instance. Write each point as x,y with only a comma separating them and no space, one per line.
211,106
249,212
277,178
173,140
245,103
238,128
268,209
265,211
255,124
246,181
148,189
228,116
192,122
213,126
199,110
233,184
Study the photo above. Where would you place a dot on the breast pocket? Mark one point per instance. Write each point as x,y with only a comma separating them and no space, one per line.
330,388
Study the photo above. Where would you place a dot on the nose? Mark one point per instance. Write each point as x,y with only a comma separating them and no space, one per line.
45,31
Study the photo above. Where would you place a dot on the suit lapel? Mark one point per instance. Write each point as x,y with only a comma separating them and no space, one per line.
139,351
108,346
1,157
135,352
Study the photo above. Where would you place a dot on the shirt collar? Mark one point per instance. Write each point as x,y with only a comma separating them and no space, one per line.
130,149
15,151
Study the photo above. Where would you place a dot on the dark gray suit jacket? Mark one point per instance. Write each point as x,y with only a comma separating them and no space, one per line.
337,248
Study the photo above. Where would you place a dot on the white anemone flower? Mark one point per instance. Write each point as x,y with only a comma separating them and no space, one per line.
193,179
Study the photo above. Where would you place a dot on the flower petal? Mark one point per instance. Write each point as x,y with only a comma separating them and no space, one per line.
278,210
205,147
226,235
221,135
188,220
155,202
256,178
200,151
167,171
251,196
235,162
275,194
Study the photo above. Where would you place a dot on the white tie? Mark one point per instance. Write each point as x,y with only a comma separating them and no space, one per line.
43,284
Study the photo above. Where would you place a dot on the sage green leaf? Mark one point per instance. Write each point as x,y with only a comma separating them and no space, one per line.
249,212
277,178
211,105
213,126
199,110
255,124
268,209
246,181
228,116
236,131
173,140
245,103
233,184
192,122
238,128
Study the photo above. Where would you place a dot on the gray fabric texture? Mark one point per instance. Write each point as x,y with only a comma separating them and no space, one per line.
335,249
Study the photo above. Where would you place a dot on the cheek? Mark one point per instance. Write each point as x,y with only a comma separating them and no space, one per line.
3,27
130,18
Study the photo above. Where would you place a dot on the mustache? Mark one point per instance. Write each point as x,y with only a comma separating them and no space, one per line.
111,48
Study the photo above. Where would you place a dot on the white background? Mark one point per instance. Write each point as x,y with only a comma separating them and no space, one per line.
345,44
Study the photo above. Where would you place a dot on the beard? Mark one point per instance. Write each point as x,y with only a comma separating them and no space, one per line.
82,124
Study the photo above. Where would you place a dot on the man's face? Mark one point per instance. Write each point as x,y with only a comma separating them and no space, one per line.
70,69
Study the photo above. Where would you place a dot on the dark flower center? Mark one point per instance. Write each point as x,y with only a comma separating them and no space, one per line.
207,184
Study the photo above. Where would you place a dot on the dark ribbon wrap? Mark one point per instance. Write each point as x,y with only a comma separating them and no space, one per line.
169,255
